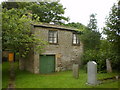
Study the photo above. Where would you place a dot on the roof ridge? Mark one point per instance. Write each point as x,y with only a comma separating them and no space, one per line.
56,26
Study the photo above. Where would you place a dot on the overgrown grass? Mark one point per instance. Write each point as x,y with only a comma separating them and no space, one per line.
6,73
25,79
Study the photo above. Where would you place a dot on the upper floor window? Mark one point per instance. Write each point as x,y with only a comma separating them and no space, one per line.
53,36
76,40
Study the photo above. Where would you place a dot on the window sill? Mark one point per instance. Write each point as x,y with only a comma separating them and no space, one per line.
75,44
53,44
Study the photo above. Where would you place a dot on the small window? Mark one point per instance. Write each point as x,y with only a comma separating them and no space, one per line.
76,40
52,37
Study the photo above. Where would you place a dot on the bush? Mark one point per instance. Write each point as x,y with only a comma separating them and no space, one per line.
97,56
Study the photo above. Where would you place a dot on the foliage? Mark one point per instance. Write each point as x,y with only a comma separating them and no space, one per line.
104,53
107,48
77,25
17,20
100,50
49,12
113,27
17,35
91,36
93,23
91,41
17,5
112,30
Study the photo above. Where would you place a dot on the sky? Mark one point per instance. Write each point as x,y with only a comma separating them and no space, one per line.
80,10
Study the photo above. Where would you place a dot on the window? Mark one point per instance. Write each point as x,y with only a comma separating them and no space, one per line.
52,37
76,40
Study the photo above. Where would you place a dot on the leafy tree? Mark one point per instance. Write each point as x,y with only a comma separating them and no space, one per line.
77,25
17,20
91,36
112,30
93,23
9,5
91,41
16,31
49,12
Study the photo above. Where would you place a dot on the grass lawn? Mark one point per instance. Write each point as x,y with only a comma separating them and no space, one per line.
5,74
25,79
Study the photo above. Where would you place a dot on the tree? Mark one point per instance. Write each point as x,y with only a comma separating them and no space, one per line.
93,23
91,41
91,36
17,20
16,32
77,25
49,12
112,30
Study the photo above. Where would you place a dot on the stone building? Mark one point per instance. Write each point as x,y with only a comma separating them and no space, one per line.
64,49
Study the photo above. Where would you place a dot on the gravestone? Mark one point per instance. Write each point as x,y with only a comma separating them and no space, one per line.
92,73
75,71
108,66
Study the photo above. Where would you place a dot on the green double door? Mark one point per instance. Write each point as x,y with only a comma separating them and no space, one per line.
47,64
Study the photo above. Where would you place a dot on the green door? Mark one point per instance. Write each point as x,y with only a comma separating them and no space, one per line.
47,64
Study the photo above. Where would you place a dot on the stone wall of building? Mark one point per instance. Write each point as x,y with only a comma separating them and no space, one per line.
66,54
27,63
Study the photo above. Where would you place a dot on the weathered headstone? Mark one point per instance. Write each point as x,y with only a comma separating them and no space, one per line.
75,71
92,73
108,66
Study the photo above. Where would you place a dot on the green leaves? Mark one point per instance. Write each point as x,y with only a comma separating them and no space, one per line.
93,23
112,30
49,12
91,40
17,20
17,35
91,36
